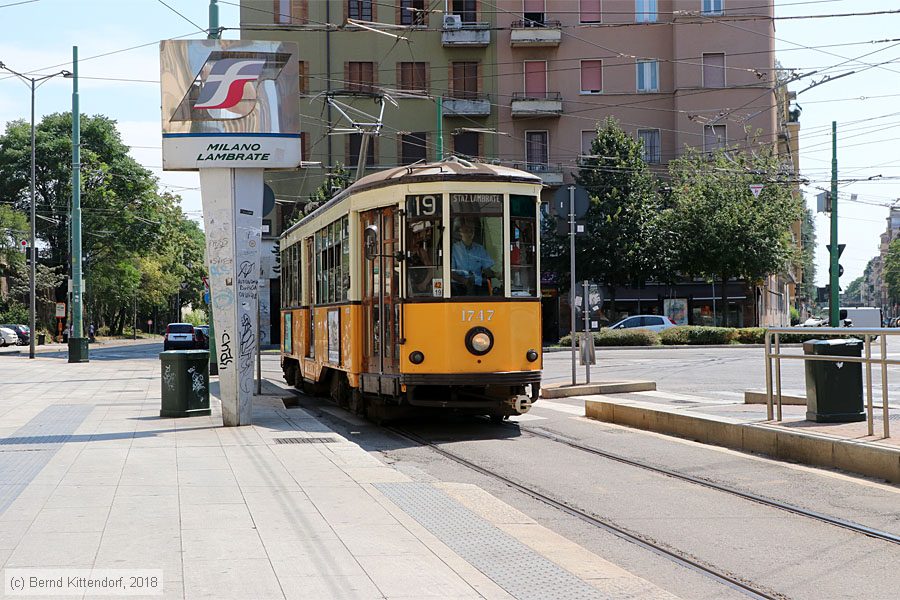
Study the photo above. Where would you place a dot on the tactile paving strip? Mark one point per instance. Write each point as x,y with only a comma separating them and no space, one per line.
512,565
30,448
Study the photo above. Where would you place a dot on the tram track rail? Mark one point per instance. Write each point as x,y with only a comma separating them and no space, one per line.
729,580
769,502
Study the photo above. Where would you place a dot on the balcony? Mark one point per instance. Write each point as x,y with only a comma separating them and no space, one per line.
466,35
469,106
533,34
550,174
548,104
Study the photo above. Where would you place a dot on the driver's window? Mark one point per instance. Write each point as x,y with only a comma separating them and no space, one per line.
476,256
424,256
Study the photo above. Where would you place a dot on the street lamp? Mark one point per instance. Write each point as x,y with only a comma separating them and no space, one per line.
33,83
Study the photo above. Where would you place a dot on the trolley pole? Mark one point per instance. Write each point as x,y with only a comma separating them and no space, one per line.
440,127
572,275
587,332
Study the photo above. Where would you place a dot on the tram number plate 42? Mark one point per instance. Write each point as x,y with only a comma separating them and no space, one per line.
477,315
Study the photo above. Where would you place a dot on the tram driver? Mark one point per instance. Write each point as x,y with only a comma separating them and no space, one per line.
471,266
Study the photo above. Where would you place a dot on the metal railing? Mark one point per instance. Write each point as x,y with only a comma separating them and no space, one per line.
773,398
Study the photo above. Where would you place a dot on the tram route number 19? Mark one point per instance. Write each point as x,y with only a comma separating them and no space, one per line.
423,206
477,315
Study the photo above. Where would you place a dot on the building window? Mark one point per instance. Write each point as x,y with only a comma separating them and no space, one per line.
712,7
304,77
360,76
464,82
466,9
412,12
589,11
533,12
360,10
587,138
645,11
412,76
466,143
413,147
714,70
536,78
647,76
714,137
591,76
536,154
354,140
286,12
650,138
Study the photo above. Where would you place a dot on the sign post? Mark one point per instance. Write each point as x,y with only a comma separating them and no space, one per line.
230,111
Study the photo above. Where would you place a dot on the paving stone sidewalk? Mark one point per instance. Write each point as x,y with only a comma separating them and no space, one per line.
92,478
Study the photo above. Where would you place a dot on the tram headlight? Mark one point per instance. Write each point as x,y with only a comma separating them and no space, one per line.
416,357
479,341
531,355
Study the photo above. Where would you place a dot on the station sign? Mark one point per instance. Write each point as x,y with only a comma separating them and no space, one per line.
223,104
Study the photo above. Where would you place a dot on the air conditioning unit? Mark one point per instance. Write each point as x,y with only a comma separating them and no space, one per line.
452,22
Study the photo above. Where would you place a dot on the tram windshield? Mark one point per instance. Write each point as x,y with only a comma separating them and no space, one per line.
476,251
523,246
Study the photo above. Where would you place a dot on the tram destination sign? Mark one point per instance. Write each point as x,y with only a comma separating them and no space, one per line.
476,203
229,103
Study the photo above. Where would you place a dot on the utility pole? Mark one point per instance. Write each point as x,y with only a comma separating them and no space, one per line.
211,342
33,83
440,127
572,275
834,279
78,344
213,32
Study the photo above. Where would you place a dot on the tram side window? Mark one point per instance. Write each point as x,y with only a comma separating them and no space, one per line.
425,263
522,245
286,277
476,252
295,275
333,262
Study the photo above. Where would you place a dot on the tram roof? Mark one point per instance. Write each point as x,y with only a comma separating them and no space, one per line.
450,169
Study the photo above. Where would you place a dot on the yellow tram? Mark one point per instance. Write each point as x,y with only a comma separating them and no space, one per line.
418,287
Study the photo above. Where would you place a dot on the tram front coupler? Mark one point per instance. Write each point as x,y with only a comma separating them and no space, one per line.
521,404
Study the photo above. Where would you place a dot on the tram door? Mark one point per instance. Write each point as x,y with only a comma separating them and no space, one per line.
381,287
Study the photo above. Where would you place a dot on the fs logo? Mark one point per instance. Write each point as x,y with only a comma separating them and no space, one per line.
224,86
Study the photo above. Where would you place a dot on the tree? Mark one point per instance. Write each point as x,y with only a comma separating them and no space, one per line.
725,232
808,255
853,293
891,271
125,218
622,244
335,181
13,229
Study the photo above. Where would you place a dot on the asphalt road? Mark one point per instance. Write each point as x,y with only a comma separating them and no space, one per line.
788,555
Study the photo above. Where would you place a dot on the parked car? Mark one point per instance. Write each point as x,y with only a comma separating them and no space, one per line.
179,336
8,337
813,322
201,337
22,331
651,322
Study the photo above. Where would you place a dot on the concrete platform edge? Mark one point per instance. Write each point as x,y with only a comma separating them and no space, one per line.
602,387
865,458
756,397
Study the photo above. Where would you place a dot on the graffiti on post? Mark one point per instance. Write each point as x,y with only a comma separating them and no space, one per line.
225,357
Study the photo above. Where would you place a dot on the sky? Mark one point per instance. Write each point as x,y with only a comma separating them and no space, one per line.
118,40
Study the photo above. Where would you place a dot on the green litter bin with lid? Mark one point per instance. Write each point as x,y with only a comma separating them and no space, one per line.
834,391
185,383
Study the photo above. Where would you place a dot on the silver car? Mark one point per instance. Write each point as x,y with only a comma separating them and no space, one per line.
8,337
651,322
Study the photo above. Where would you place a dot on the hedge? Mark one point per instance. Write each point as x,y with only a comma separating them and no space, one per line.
620,337
692,335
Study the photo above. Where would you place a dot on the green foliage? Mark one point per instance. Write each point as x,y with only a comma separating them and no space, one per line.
693,335
750,335
795,316
13,229
891,271
196,317
619,337
722,230
127,224
14,313
808,255
623,244
335,181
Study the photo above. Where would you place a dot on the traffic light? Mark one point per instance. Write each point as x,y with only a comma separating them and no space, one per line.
840,251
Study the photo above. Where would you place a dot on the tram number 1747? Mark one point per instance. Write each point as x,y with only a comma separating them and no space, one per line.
477,315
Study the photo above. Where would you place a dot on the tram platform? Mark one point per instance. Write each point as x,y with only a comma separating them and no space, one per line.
732,423
94,483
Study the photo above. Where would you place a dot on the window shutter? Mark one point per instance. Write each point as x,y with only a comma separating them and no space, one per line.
590,11
591,76
536,78
714,70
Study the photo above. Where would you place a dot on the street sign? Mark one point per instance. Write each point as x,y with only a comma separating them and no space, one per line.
60,310
756,188
149,322
23,246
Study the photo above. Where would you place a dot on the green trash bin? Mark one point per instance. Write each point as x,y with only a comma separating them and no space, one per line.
185,383
834,391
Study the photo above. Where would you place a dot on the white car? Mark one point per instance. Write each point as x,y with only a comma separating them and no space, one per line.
179,336
651,322
813,322
8,337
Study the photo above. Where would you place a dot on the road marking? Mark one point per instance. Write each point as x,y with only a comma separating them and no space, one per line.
560,407
526,417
